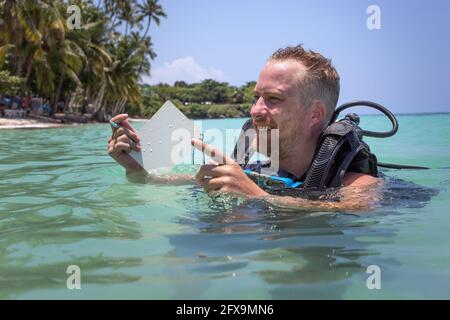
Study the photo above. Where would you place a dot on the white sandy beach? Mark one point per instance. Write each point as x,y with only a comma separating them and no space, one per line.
28,124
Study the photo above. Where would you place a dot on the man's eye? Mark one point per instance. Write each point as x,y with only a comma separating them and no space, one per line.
255,99
274,99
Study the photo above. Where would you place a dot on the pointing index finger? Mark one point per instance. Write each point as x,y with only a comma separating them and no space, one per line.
212,152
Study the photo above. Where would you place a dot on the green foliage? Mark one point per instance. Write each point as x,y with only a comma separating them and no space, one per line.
9,84
226,111
97,61
208,90
207,99
151,104
248,89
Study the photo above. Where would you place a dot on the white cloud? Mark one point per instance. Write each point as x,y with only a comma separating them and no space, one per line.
186,69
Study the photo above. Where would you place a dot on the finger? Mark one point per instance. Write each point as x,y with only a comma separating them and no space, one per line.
211,170
110,147
125,139
117,120
212,152
120,147
130,134
214,184
126,124
205,172
134,146
121,119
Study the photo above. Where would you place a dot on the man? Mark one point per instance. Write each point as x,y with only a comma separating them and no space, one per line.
296,92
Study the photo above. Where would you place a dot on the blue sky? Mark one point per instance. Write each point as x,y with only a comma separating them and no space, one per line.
404,65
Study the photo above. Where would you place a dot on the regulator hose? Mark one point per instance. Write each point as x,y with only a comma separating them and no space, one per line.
373,105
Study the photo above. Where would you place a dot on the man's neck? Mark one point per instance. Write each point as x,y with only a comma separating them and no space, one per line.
299,158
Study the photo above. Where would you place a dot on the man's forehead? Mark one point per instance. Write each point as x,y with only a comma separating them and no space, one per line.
280,76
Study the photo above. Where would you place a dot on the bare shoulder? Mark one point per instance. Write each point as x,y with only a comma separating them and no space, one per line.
355,179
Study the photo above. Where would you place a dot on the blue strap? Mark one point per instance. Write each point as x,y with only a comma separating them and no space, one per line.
264,180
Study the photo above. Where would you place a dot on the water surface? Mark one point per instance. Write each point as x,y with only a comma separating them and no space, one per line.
64,202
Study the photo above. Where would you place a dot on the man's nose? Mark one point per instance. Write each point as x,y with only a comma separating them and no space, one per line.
258,109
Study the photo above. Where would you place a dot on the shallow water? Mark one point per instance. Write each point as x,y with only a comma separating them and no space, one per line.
64,202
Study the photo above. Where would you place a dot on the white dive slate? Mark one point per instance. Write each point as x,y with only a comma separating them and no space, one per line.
165,139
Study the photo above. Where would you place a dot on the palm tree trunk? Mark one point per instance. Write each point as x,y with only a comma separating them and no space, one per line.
122,106
119,106
71,102
145,34
27,75
148,27
57,94
114,108
19,66
98,102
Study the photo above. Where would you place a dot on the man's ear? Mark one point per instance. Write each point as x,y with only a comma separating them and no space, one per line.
317,111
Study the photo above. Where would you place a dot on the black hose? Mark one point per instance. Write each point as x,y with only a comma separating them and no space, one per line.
367,133
400,166
374,106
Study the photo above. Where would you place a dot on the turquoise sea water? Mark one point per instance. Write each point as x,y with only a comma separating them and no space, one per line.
64,202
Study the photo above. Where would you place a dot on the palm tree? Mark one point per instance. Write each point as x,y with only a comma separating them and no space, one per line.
146,50
127,13
123,76
90,42
19,33
153,11
30,29
95,63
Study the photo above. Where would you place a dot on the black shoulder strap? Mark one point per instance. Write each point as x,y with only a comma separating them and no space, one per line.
337,147
242,157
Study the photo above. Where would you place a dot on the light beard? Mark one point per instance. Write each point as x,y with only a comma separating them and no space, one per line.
287,145
288,148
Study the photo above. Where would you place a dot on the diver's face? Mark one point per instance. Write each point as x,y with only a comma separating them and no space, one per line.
277,101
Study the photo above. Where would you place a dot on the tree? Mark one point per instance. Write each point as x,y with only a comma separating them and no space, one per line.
95,65
9,84
181,84
151,10
214,91
127,14
248,89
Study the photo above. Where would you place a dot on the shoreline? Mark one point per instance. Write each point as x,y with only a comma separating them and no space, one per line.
27,123
30,123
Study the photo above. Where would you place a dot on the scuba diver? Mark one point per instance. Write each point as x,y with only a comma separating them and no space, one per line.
296,93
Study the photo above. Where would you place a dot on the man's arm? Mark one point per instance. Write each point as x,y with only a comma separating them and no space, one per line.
143,176
359,192
354,179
